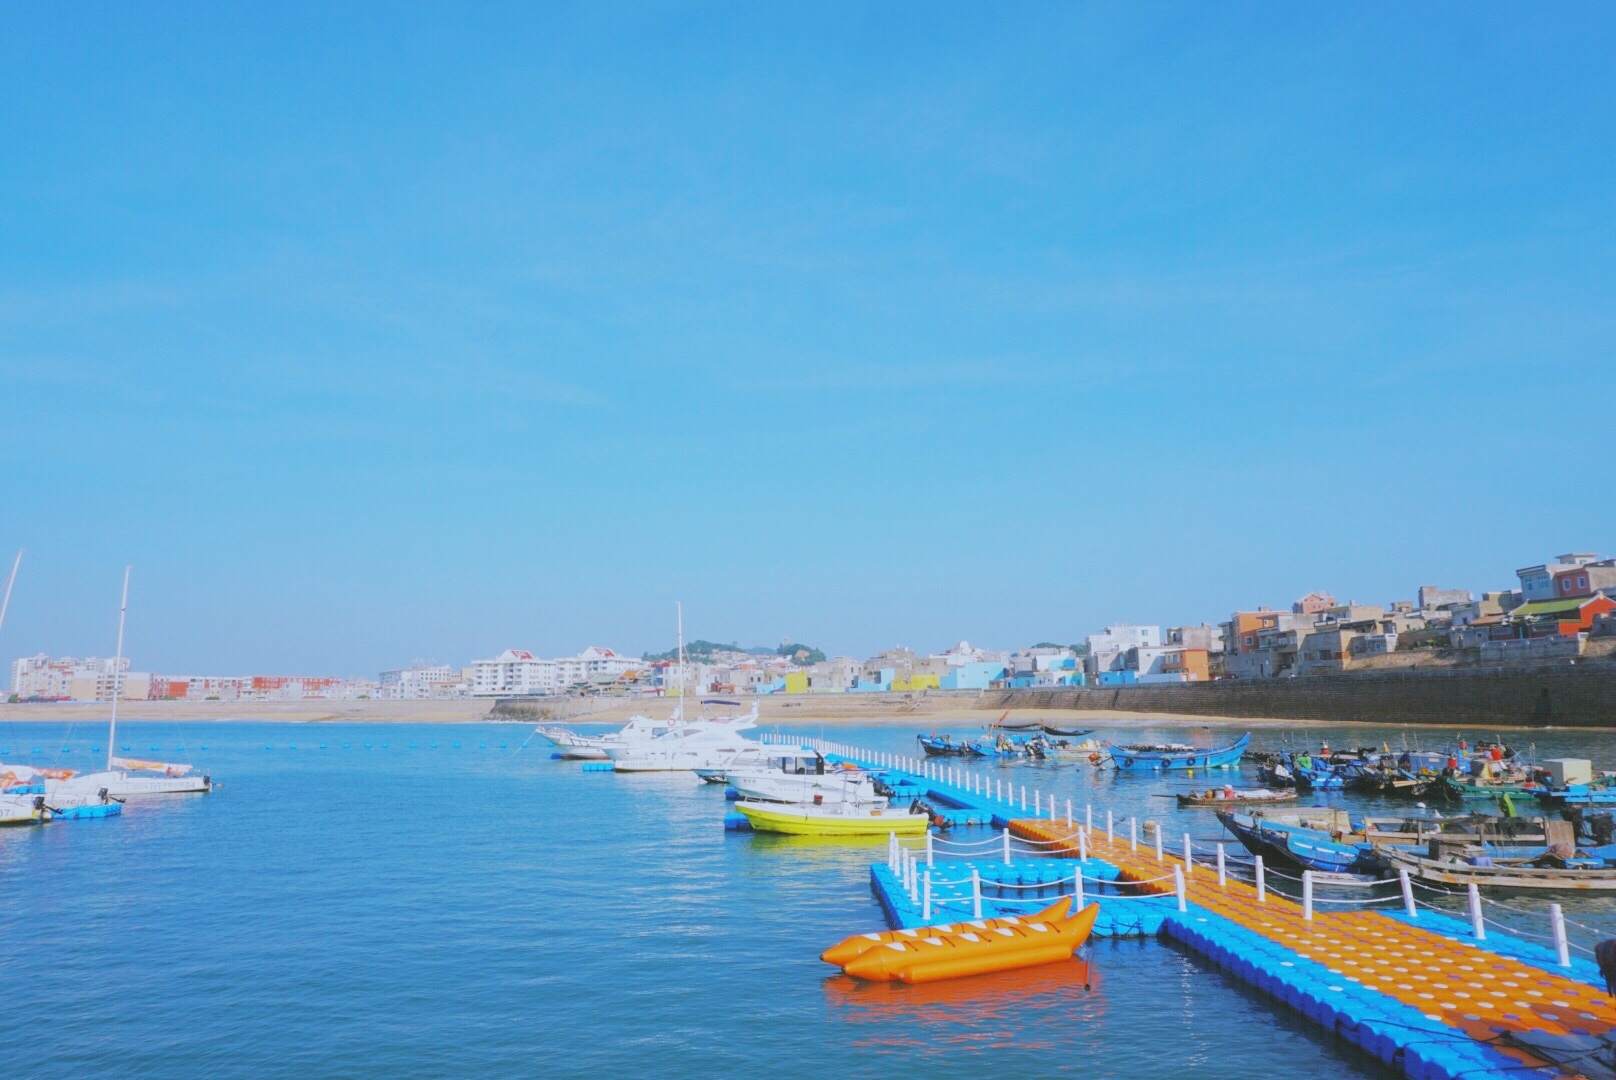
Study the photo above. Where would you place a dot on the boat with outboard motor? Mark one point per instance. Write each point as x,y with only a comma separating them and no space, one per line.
1332,840
935,745
1558,868
835,818
1177,757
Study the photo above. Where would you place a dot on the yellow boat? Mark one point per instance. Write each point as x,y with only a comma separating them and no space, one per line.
832,819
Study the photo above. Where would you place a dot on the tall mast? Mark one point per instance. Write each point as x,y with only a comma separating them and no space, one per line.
117,670
12,580
679,606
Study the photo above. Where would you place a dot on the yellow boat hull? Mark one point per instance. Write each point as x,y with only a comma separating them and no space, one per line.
805,822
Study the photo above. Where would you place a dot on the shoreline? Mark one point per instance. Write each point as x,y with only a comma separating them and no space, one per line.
920,714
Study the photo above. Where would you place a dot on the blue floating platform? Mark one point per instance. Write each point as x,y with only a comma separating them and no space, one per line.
735,821
597,766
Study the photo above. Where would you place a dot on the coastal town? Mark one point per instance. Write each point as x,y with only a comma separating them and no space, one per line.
1562,610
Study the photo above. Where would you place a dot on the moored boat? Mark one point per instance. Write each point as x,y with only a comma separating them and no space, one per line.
1177,757
1229,796
1458,868
935,745
833,819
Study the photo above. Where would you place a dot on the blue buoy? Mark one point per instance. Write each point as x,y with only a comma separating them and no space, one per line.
384,746
180,747
736,822
67,749
731,795
434,746
502,746
93,750
36,749
7,750
204,746
322,747
154,748
597,766
556,756
268,747
292,746
482,746
126,746
367,746
345,746
412,746
457,746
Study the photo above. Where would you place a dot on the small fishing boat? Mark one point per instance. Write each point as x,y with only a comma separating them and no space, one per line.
1229,796
1000,746
1091,750
1331,840
1176,757
1566,870
1065,731
936,745
834,819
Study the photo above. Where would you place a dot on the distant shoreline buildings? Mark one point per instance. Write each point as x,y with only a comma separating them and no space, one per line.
1552,613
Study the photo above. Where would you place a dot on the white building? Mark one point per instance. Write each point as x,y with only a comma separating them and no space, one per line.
419,683
517,672
1109,646
68,678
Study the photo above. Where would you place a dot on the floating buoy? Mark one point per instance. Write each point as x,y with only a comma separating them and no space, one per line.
597,766
293,746
457,746
734,821
555,755
731,795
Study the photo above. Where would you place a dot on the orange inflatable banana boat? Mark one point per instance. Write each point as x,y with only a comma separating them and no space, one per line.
954,955
859,944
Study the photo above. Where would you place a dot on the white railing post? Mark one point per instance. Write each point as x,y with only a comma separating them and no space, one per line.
1408,894
1082,846
1023,798
976,894
1178,883
1307,895
1157,830
1068,813
1262,886
1077,891
1037,803
1088,816
929,860
1223,873
1007,845
1000,782
1189,867
1562,948
892,851
1478,921
925,898
1110,827
1133,834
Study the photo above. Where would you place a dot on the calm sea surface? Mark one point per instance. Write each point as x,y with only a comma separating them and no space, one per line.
429,901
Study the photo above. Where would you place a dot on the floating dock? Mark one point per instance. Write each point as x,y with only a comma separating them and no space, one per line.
1420,990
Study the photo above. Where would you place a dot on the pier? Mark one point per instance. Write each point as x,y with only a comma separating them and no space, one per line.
1411,984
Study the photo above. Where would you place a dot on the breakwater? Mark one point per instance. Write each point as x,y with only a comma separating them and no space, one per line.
1581,695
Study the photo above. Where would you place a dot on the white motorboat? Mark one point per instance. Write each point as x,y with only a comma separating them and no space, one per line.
699,744
790,774
767,757
639,729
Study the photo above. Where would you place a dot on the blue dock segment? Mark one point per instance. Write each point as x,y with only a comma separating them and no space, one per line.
1422,991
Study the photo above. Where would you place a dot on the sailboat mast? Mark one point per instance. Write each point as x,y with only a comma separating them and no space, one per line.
117,670
680,607
10,581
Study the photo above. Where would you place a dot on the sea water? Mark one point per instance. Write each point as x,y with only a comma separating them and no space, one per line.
446,900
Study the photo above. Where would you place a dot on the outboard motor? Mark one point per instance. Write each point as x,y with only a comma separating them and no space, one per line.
103,796
1602,827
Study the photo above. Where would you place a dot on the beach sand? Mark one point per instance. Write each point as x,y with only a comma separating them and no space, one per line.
819,711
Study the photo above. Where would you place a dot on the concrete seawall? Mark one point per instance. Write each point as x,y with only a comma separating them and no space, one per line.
1583,695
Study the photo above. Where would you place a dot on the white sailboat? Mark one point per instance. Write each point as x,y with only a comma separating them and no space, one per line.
162,777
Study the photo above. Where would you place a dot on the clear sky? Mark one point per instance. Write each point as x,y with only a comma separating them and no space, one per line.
376,332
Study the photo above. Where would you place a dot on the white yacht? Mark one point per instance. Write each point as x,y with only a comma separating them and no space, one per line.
639,729
793,774
697,744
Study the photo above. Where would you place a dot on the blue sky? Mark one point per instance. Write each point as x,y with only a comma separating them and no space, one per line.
399,331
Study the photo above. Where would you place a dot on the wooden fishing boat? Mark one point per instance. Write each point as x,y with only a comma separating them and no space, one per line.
936,745
1176,757
1328,839
1065,732
1216,797
1458,868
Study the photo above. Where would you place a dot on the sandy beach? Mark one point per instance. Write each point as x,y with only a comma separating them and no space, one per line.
841,711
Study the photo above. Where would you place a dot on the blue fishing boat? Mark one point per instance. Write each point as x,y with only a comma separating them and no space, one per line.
943,745
1174,757
1303,843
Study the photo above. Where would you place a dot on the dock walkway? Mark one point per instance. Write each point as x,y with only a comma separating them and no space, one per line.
1419,993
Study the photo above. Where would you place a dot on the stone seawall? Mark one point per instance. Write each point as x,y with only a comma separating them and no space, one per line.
1582,695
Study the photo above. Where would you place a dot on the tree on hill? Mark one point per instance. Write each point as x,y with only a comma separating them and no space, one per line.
801,654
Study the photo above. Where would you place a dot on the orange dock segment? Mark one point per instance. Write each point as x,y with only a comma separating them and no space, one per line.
1465,987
